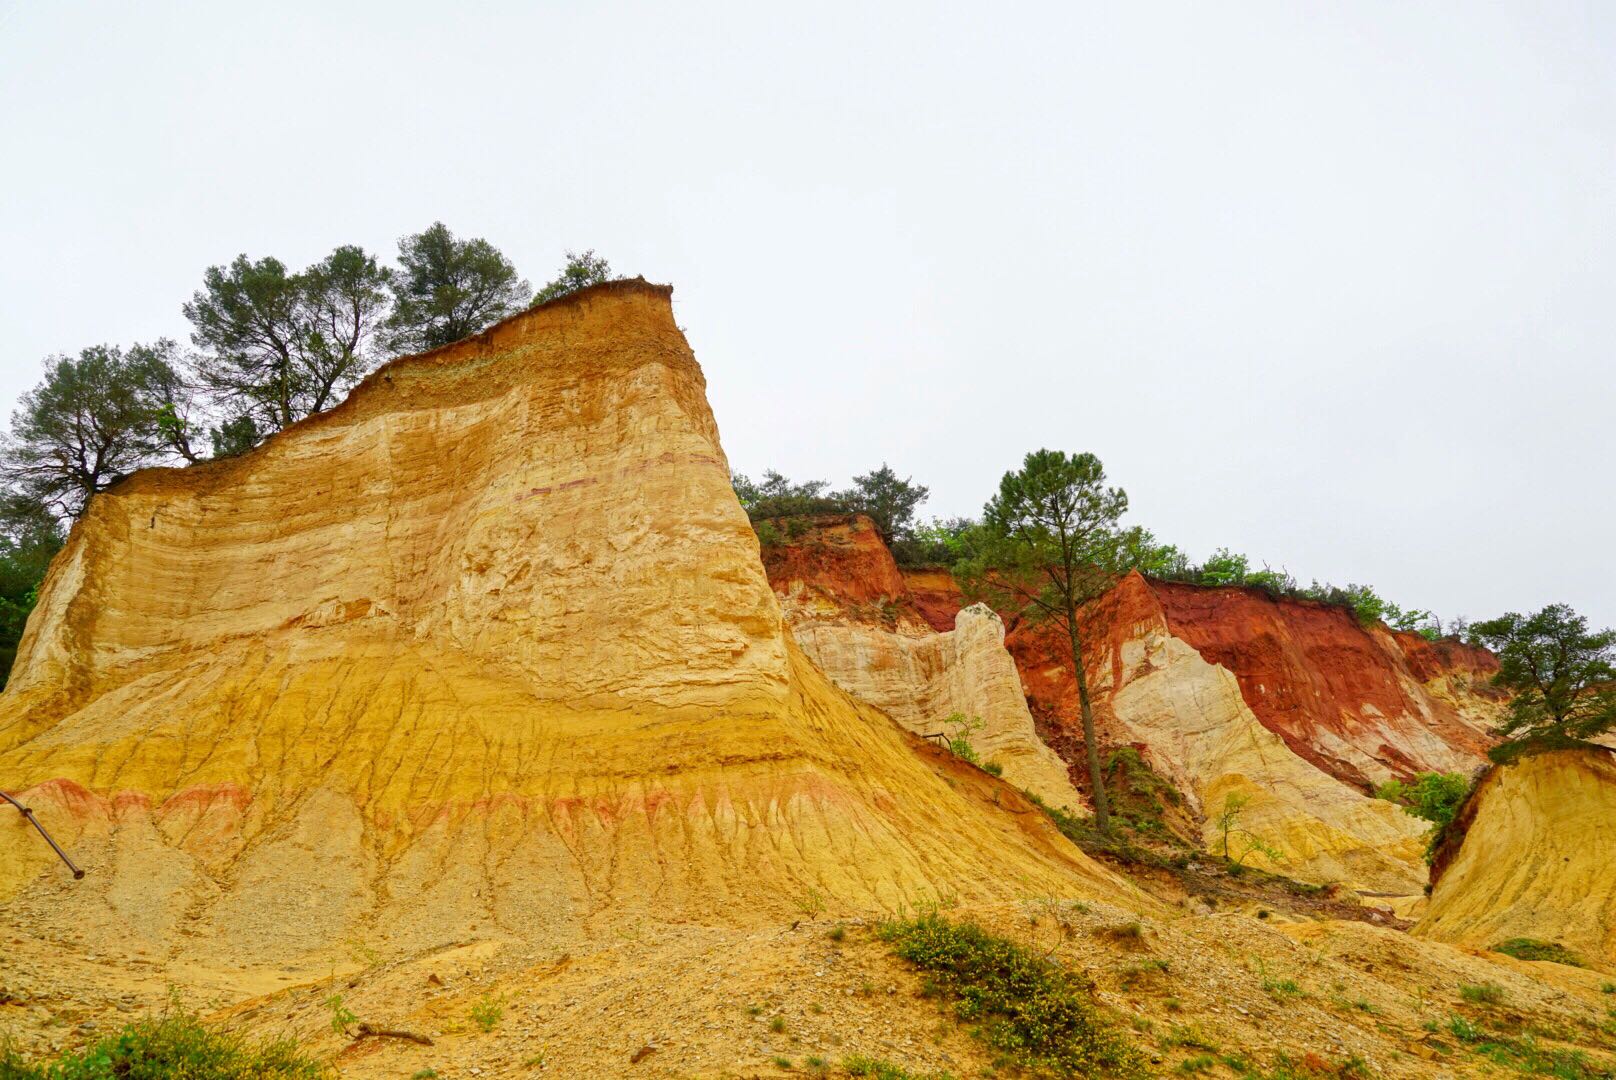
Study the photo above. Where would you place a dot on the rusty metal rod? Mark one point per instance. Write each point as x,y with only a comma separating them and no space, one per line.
32,820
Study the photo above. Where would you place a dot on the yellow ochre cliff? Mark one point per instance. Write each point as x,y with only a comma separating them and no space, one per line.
489,646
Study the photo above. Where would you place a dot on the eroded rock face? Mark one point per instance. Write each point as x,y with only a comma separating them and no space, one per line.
487,648
1291,706
1363,704
1156,690
850,609
1537,859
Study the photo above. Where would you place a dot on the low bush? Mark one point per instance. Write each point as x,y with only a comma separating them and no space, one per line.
1026,1007
1484,994
1531,949
860,1065
167,1047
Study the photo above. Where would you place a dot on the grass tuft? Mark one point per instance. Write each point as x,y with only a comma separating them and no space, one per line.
1484,994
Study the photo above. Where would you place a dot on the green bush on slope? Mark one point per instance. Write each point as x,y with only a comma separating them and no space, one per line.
1028,1008
166,1047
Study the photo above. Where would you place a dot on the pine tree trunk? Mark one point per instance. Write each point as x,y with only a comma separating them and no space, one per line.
1102,808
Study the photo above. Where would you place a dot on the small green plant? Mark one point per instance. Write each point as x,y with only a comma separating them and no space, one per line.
1484,994
860,1065
993,768
1282,988
424,1074
777,1025
1607,988
1132,974
1189,1037
754,1010
782,1062
1198,1064
959,743
1463,1030
537,1061
838,932
1234,836
811,904
486,1012
341,1016
1029,1009
1531,949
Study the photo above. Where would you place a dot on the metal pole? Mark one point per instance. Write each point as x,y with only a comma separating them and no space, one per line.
32,820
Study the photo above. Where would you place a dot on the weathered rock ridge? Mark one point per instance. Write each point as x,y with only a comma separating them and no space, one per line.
1537,859
487,646
851,610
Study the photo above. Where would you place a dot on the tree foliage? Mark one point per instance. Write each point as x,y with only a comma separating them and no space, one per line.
1228,568
1561,676
29,538
91,421
1050,542
888,500
581,269
277,347
1433,796
778,497
446,289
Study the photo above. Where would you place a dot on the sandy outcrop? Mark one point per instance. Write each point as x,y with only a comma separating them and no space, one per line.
1537,859
487,648
851,610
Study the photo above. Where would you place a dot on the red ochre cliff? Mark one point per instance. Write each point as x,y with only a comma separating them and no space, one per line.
1292,704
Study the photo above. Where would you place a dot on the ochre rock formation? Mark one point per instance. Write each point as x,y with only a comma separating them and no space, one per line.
850,609
1291,705
488,647
1363,704
1537,859
1157,690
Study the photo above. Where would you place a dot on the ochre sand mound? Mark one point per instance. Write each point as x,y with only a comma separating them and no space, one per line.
488,649
1538,858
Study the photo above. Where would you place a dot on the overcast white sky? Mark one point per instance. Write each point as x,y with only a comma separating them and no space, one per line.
1336,288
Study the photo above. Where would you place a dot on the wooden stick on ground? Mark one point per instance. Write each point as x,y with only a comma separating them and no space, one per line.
392,1033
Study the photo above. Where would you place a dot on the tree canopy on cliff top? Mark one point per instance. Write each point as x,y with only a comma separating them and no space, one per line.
447,288
1562,677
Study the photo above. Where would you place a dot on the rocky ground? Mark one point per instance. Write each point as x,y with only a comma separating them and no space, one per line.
1203,994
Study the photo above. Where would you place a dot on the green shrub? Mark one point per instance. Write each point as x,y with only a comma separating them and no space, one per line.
860,1065
1485,994
1463,1029
486,1012
168,1047
1434,797
1531,949
993,768
1022,1005
959,743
